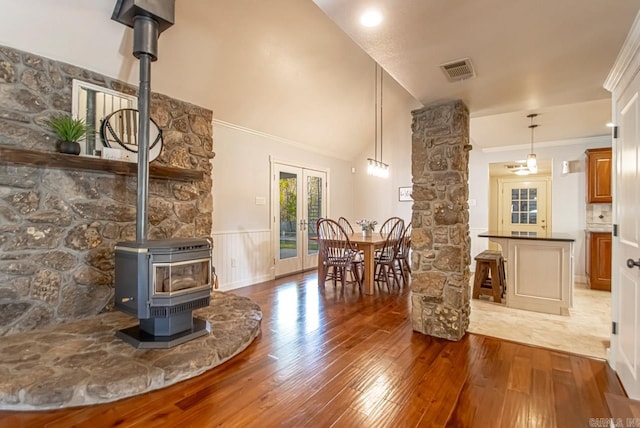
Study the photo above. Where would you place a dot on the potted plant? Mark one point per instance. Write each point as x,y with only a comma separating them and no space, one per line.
69,131
367,226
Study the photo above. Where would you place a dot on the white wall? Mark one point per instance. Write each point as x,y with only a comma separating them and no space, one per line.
74,31
241,172
568,191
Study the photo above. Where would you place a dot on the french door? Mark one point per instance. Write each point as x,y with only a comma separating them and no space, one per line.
523,206
299,200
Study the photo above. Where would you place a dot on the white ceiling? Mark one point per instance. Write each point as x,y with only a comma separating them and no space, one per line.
547,56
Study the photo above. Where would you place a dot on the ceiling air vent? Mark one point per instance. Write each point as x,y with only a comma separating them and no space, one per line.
459,69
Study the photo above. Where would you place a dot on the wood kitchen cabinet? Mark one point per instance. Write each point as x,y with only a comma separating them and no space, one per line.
598,263
599,175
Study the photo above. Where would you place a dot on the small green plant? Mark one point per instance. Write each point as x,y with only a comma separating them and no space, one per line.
67,128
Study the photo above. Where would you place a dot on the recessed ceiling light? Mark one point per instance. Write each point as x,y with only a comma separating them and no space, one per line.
371,18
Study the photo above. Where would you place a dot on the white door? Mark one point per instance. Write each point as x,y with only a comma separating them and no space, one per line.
625,284
523,206
299,199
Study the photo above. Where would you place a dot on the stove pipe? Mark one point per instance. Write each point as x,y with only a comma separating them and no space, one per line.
148,18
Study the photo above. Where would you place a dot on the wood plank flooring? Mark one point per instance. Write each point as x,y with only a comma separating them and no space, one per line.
335,357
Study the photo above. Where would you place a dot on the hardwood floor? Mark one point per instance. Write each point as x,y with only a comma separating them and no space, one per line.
333,358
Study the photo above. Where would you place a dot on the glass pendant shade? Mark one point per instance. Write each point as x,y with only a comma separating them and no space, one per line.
377,168
531,162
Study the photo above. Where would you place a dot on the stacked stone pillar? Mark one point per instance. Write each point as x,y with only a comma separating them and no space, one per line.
440,239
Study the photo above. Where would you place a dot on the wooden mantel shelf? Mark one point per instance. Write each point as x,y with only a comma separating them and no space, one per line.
12,155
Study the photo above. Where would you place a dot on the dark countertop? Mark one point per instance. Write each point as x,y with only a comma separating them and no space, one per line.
546,237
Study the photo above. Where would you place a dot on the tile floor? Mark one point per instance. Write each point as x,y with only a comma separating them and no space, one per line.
585,331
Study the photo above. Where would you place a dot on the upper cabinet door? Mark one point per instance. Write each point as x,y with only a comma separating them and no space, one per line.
599,175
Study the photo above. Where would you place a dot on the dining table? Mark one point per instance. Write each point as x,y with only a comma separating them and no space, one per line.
368,244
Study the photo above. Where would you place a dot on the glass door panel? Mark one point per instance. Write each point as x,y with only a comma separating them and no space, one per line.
524,211
315,200
288,189
299,200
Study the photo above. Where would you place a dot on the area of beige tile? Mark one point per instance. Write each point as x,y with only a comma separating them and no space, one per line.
585,331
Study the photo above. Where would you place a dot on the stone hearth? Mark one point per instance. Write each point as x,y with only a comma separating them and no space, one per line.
82,362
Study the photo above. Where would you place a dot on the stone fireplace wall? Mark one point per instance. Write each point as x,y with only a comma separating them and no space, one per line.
440,238
58,227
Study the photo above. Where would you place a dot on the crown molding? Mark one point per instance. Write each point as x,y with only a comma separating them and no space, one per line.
627,57
598,139
277,139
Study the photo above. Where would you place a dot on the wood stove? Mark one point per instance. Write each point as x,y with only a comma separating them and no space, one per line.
161,282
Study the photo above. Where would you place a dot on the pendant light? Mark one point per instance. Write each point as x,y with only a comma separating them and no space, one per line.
532,163
376,167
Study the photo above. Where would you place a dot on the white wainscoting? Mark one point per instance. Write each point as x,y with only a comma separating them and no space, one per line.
242,258
478,245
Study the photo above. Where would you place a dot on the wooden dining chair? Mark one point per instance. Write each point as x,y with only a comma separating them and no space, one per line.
402,255
349,230
337,252
389,224
385,257
345,225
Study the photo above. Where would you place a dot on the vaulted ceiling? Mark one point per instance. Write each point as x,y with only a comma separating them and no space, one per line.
545,56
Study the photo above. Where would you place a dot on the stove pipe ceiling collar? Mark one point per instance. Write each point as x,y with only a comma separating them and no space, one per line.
157,16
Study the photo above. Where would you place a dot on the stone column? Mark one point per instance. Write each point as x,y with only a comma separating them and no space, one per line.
440,239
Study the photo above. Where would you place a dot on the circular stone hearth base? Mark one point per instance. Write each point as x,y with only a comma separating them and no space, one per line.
83,362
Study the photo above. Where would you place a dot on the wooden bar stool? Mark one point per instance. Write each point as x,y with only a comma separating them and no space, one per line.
489,262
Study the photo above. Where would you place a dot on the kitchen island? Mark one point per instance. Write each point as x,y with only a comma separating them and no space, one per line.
539,270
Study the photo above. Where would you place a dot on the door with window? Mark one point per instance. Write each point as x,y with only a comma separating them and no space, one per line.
299,200
524,207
